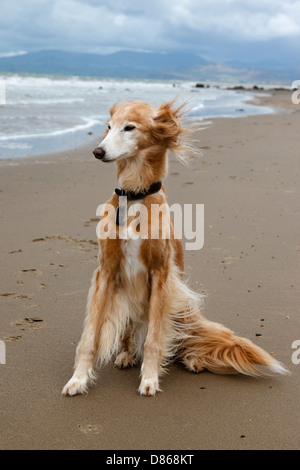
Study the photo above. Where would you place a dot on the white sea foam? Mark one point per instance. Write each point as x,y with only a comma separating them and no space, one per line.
89,123
37,102
198,107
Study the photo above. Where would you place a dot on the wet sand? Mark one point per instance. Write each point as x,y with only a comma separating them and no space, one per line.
248,181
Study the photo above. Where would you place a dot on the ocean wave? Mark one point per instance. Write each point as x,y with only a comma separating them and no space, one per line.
198,107
85,82
14,145
79,127
50,101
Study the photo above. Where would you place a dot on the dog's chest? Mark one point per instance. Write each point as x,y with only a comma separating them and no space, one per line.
132,263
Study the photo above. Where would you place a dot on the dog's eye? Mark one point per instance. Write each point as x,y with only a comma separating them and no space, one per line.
108,127
129,128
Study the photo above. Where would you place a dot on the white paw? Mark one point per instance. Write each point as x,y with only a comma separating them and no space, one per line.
75,387
193,363
149,387
124,360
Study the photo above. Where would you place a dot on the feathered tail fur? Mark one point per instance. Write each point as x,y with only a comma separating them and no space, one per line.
203,344
214,347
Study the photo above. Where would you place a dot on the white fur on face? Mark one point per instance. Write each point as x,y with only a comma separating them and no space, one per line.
119,143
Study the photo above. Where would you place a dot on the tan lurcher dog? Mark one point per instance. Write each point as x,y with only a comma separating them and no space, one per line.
138,306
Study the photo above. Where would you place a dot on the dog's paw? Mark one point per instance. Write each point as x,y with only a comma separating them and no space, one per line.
193,363
149,387
124,360
75,387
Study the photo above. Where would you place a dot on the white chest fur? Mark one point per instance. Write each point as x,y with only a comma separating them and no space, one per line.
131,250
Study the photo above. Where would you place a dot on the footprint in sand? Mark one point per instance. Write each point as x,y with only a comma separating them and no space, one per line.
13,338
29,323
28,271
242,178
83,244
14,295
229,260
87,223
89,428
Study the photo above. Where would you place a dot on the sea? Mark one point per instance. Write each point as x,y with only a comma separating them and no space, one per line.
47,114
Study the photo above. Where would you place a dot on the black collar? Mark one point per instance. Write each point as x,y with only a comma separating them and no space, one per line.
131,196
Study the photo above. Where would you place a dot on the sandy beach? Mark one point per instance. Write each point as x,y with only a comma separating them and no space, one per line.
248,181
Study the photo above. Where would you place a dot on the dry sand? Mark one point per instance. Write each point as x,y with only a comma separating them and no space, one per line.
248,180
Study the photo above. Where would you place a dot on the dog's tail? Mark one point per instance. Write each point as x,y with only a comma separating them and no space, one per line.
203,344
214,347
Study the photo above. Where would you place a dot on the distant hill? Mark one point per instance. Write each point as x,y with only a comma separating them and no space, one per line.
143,65
124,64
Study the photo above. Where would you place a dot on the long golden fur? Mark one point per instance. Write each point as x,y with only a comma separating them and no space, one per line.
139,309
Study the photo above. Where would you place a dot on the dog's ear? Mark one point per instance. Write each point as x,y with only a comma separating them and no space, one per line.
168,131
113,109
166,124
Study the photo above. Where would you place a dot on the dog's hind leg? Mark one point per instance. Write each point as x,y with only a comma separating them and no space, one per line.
126,357
87,347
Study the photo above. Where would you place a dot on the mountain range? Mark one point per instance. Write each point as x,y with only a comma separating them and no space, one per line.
141,65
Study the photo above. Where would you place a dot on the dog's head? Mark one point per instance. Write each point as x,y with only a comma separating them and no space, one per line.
136,127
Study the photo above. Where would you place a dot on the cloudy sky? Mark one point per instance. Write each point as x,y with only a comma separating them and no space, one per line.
222,30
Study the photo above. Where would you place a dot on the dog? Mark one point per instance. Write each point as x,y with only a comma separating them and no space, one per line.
139,309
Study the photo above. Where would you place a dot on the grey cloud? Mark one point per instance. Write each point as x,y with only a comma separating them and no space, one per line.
202,26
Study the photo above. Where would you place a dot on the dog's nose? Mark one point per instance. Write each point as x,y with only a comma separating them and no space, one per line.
99,153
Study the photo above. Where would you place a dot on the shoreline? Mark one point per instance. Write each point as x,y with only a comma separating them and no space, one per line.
281,106
248,267
66,139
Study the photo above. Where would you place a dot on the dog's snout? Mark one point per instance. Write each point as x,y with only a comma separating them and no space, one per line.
99,153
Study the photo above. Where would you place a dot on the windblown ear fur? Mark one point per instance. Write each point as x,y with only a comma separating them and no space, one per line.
113,108
166,124
167,130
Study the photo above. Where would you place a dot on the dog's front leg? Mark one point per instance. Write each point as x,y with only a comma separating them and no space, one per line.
87,347
155,348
